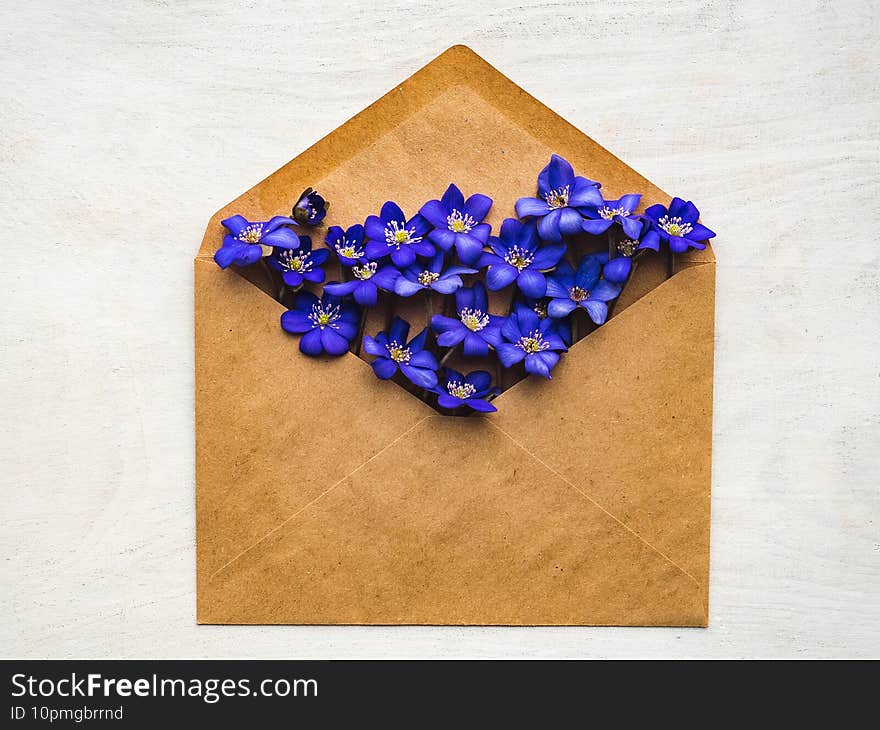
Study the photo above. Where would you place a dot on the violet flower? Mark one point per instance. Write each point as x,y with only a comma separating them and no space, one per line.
518,256
569,289
475,326
470,390
432,276
617,269
349,245
531,339
560,326
310,209
248,242
299,264
391,234
393,353
622,211
369,277
458,223
327,325
676,225
560,196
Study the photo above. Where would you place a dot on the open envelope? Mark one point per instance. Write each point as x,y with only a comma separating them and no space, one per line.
325,496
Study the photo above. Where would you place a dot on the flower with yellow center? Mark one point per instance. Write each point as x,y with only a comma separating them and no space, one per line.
558,198
674,226
473,319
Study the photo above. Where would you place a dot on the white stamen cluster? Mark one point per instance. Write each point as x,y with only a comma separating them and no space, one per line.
460,390
398,352
293,260
398,235
322,318
251,233
532,343
673,226
459,222
541,310
627,248
578,294
364,272
345,248
518,257
558,198
473,319
608,213
426,278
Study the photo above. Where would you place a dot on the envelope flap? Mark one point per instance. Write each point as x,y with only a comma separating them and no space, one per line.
268,437
628,417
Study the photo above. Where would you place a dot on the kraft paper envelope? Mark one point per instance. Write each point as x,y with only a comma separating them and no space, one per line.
325,496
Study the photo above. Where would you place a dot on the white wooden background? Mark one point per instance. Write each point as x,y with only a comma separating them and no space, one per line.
124,125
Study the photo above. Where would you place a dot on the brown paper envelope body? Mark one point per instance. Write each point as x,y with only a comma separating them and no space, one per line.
327,497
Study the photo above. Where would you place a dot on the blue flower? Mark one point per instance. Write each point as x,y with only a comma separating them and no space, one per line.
676,225
369,277
310,209
617,269
560,196
475,326
390,233
393,352
517,256
470,391
349,245
622,211
531,339
458,223
299,264
416,278
560,326
327,325
248,242
569,289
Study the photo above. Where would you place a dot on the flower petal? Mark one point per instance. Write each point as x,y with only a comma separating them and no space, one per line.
570,221
475,346
403,287
443,237
560,172
420,376
310,343
596,227
366,294
373,346
296,322
282,237
509,354
439,323
480,379
436,213
532,283
403,256
598,311
453,199
632,227
532,207
398,330
384,368
500,275
468,247
235,224
444,400
548,256
424,359
548,226
374,229
558,308
617,270
341,289
700,233
391,212
478,206
334,343
478,404
605,291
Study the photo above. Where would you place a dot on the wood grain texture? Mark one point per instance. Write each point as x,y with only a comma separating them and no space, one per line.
125,127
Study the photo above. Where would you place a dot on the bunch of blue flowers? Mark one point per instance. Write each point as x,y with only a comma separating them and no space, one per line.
512,303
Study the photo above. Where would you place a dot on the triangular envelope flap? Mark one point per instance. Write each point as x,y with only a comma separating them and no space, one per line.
274,428
454,524
459,120
628,417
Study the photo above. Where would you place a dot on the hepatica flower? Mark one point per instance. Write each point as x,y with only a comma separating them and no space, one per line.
391,234
327,325
299,264
560,326
310,209
394,353
600,218
561,195
617,269
349,245
529,338
677,225
518,256
248,242
473,326
569,289
431,276
459,223
369,277
469,391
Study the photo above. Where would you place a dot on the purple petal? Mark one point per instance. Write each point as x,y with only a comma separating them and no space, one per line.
342,289
569,221
605,291
700,233
420,376
296,322
374,228
532,283
435,213
366,294
596,227
444,400
310,343
443,237
334,343
391,212
374,347
384,368
468,247
547,257
500,275
475,346
617,270
598,311
235,224
405,288
559,308
548,226
480,405
560,172
453,199
531,206
478,206
509,354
